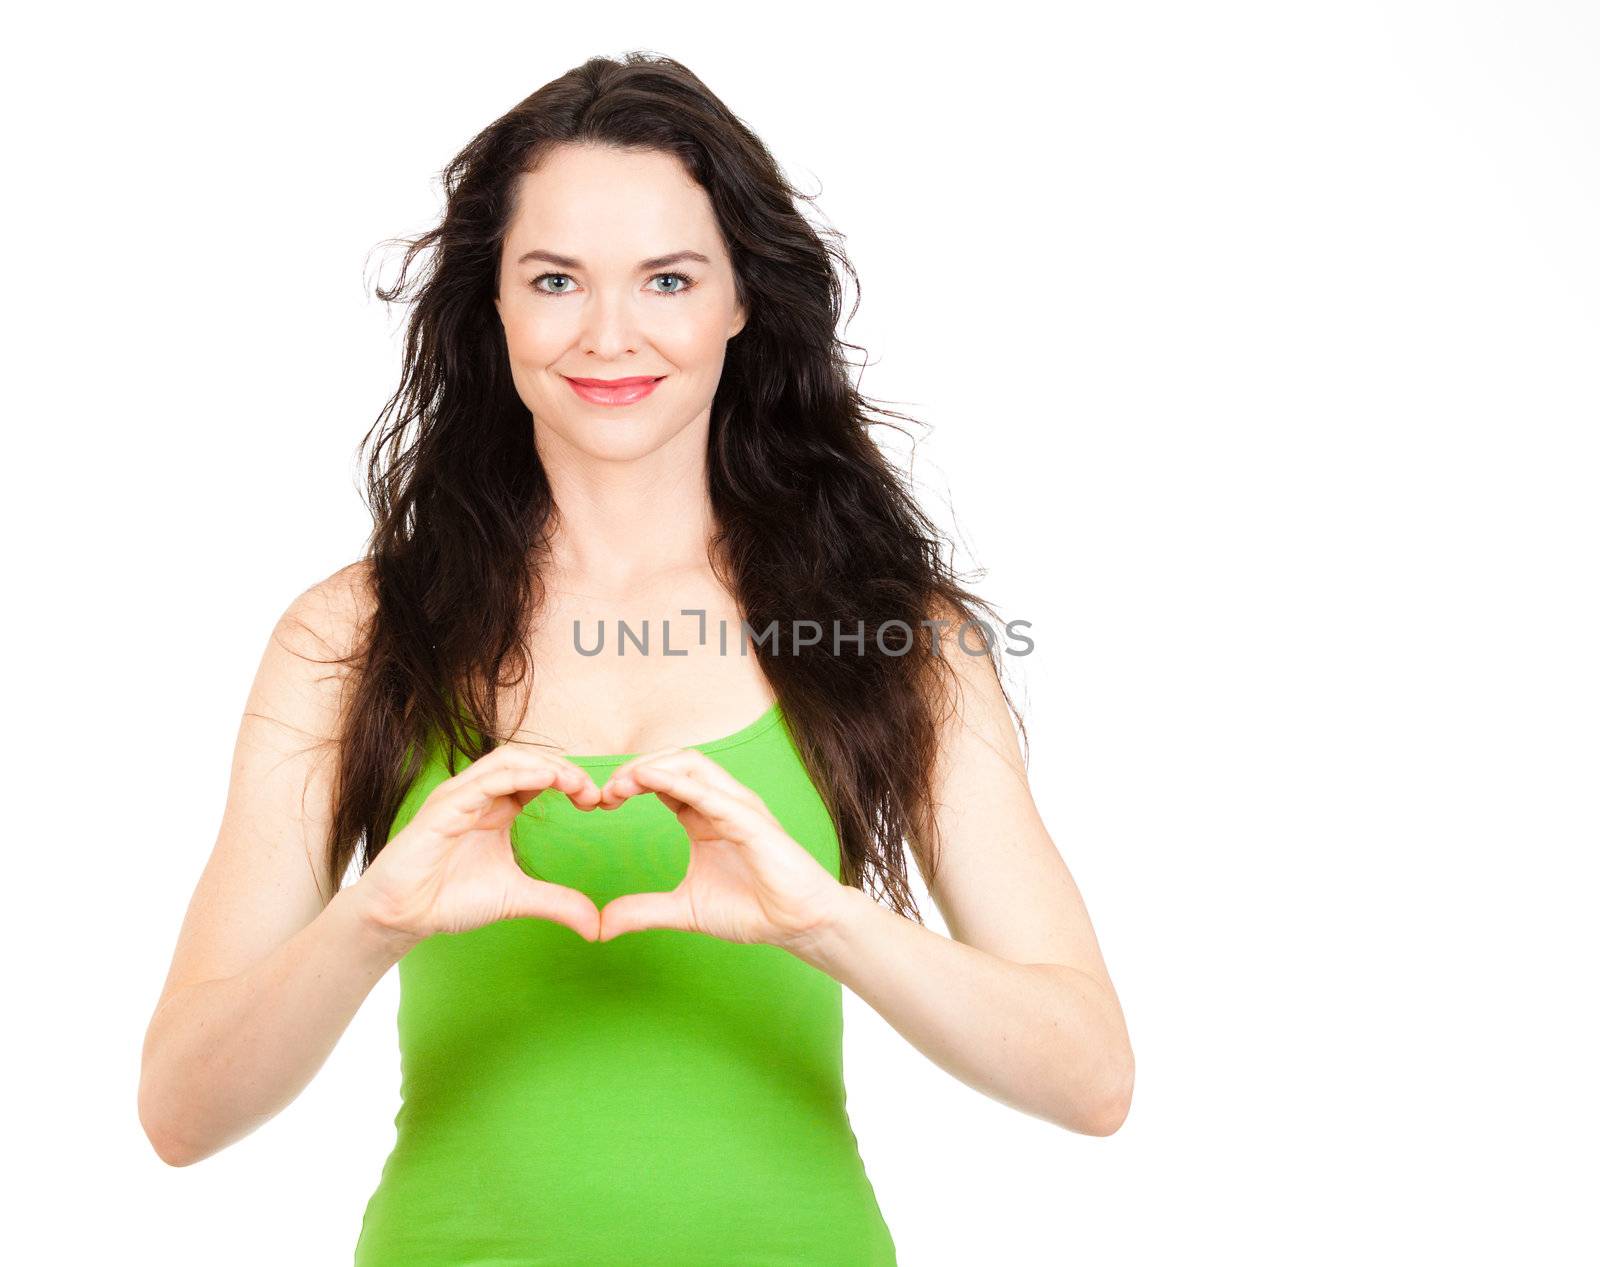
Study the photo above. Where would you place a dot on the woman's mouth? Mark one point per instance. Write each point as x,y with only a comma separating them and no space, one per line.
614,391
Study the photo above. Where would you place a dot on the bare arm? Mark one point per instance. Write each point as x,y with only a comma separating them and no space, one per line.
268,971
1017,1001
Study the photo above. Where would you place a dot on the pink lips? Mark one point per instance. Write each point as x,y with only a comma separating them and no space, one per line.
613,391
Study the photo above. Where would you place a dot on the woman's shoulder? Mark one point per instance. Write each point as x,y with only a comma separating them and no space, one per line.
319,634
334,610
299,686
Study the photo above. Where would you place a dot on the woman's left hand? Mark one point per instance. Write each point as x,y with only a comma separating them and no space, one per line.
748,879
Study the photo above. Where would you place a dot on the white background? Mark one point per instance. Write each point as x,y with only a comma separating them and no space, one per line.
1259,346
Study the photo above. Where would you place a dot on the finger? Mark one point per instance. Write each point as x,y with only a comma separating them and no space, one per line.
702,767
571,779
687,760
634,912
543,900
632,762
462,807
510,780
514,751
620,786
729,815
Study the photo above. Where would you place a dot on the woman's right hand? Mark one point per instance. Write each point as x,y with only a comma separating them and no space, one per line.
452,868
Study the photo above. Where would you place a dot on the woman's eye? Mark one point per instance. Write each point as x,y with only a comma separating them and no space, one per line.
682,283
685,283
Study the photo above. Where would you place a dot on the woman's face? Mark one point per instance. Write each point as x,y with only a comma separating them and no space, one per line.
587,292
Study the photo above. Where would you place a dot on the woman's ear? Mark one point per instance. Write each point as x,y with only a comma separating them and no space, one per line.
738,321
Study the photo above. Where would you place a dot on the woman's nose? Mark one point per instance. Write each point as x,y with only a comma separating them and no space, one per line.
610,325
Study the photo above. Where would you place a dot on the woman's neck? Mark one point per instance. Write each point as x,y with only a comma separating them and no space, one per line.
620,525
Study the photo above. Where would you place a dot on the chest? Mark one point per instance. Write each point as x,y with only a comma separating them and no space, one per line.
662,670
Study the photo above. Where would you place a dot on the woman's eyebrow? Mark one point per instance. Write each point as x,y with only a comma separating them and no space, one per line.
566,261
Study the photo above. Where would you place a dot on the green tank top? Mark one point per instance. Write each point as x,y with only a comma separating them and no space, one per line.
666,1098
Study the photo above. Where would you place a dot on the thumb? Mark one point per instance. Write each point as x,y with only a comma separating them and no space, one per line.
633,912
543,900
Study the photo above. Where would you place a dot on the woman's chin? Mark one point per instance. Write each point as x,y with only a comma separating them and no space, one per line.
605,439
620,443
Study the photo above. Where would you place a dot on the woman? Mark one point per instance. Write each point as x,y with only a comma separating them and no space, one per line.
626,427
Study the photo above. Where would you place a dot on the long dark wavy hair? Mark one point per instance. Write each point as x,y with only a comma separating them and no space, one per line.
812,522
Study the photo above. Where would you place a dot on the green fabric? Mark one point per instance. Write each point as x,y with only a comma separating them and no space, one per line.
665,1099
